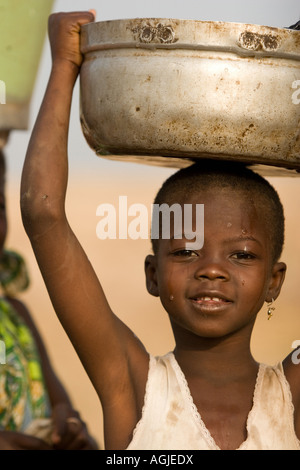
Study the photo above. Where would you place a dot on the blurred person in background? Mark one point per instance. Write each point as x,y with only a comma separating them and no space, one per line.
36,412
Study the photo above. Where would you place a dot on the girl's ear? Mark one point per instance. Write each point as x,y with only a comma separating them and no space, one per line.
277,278
151,278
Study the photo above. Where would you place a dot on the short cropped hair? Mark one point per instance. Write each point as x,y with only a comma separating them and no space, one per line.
212,174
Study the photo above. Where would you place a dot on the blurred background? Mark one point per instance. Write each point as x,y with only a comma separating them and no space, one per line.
94,180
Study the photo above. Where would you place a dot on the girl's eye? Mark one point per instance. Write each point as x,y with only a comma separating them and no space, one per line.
243,255
185,253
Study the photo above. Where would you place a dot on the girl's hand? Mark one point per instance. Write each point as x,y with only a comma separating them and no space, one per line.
69,431
64,35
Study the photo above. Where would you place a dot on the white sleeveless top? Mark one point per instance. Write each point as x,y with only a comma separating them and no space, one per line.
170,419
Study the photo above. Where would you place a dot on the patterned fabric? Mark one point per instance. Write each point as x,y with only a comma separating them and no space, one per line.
23,396
13,273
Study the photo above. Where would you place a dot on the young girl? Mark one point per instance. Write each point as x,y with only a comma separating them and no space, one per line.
209,393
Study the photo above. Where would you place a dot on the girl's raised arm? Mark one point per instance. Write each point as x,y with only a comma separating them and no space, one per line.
114,359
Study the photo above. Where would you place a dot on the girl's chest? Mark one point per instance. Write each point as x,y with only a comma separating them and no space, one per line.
224,412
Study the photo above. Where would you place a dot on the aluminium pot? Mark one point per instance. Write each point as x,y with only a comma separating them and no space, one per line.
168,92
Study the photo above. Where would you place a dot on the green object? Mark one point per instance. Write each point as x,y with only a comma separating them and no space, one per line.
23,25
23,394
14,276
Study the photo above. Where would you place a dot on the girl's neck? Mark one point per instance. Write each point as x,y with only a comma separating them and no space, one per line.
221,360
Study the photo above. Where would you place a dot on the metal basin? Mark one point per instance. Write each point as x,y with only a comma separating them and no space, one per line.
168,92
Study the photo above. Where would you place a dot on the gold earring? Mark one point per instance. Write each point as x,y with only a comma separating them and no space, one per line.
270,309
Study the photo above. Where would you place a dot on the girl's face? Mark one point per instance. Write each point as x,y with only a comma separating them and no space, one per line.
218,289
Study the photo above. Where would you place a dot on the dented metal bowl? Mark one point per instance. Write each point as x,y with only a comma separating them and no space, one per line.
168,92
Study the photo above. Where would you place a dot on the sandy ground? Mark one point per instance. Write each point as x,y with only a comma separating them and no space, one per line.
119,264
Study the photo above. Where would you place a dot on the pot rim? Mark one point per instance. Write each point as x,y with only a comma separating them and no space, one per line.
164,33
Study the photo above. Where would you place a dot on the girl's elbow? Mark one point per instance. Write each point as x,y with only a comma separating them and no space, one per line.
38,212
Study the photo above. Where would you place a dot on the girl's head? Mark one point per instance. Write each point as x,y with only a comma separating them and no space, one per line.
220,287
216,177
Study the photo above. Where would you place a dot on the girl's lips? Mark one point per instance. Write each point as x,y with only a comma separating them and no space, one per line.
210,301
209,298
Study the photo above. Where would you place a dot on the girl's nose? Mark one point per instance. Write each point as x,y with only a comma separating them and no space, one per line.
211,269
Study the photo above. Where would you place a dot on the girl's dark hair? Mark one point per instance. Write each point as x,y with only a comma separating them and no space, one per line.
213,175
